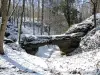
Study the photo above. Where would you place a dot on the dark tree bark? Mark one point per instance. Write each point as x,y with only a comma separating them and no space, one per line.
94,2
4,4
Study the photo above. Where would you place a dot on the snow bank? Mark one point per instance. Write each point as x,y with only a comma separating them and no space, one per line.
20,61
79,64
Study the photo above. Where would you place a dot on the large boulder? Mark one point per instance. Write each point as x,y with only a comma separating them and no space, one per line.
81,27
32,43
68,44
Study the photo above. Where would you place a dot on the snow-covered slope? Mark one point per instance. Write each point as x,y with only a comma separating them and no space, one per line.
91,40
20,63
85,60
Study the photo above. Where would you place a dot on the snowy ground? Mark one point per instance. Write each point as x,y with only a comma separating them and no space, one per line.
48,61
20,63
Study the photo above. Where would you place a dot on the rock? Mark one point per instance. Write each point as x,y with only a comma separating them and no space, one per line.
6,41
92,40
82,27
78,34
75,72
7,34
67,43
29,48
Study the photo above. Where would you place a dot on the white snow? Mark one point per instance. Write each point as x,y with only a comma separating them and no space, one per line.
16,62
22,62
90,19
46,51
48,60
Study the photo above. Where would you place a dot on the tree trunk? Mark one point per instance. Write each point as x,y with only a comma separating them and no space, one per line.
42,18
33,17
38,17
30,9
94,13
38,11
24,14
4,23
20,27
95,3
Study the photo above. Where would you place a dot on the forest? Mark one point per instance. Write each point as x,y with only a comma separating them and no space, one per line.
49,37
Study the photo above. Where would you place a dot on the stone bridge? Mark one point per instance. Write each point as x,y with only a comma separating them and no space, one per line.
67,42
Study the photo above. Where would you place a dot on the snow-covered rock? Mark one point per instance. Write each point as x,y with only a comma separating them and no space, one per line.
11,32
67,42
81,27
8,41
92,40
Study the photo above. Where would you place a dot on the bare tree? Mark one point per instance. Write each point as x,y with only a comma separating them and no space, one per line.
4,4
38,10
30,1
24,13
33,17
38,17
13,18
95,3
42,17
9,6
20,27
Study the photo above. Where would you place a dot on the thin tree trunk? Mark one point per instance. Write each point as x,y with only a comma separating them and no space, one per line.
42,18
38,17
17,16
30,9
13,10
49,23
94,15
24,16
13,13
38,10
68,13
95,3
9,10
94,12
20,27
49,16
33,17
9,6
